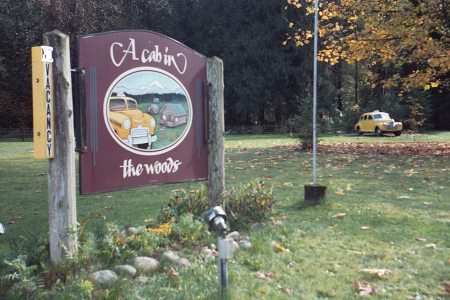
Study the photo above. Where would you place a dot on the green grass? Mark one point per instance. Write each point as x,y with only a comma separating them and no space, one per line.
387,208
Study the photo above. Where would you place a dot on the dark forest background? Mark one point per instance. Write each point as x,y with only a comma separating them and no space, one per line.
267,85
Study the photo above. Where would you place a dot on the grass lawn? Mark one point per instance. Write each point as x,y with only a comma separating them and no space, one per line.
389,212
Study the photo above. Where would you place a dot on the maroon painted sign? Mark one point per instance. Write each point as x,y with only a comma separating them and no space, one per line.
145,111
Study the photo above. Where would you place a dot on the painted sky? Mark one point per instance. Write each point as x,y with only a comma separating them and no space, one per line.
147,82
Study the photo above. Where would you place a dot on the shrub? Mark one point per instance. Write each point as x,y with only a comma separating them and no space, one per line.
245,204
189,230
249,203
181,201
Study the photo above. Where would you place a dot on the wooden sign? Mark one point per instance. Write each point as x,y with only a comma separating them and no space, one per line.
43,128
145,111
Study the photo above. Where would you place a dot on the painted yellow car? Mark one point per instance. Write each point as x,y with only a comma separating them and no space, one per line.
379,123
130,124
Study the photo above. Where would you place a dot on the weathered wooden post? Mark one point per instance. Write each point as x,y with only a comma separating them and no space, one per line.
61,171
216,152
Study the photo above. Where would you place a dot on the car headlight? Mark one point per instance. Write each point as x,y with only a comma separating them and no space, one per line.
152,122
126,124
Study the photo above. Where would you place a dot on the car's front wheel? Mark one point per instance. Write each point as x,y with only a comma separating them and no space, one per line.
378,132
397,133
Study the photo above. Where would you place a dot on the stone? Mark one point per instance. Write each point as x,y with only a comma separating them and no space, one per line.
234,245
146,264
244,237
234,236
104,277
245,244
184,262
126,270
169,256
207,254
132,231
142,230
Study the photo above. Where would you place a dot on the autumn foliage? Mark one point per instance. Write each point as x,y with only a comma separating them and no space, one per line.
409,39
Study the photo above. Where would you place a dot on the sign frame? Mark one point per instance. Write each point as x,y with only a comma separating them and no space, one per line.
119,61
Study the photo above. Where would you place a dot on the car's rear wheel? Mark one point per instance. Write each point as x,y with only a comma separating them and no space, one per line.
397,133
358,131
378,132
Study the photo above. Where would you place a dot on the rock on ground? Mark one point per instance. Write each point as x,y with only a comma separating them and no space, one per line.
126,270
104,277
145,264
169,256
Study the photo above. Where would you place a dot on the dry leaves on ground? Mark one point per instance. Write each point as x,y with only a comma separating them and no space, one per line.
436,149
364,288
379,273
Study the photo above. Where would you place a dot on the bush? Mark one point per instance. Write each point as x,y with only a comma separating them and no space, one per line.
245,204
189,230
181,201
249,203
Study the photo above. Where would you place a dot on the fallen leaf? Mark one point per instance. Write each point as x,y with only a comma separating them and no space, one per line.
365,227
260,275
339,192
239,168
446,286
431,246
419,239
339,216
363,288
349,187
173,274
289,184
280,247
380,273
404,197
288,291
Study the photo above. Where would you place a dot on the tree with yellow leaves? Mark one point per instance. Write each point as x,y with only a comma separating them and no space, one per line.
408,38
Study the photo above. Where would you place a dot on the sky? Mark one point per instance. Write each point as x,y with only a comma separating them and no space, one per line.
147,82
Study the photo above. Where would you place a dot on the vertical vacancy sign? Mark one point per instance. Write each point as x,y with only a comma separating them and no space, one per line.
145,111
41,59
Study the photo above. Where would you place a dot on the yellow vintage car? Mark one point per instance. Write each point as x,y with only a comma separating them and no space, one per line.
379,123
130,124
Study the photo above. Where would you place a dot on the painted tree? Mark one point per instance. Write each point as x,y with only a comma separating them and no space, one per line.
408,39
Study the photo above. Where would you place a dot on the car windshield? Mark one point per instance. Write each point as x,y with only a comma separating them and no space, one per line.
117,105
132,105
381,116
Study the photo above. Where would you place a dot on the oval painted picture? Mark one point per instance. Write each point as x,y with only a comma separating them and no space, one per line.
148,111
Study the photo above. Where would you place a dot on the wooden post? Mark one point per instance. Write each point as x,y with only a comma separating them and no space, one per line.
61,170
216,152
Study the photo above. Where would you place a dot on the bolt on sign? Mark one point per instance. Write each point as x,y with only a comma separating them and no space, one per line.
43,124
145,111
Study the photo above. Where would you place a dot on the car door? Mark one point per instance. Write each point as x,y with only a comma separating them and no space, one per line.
363,123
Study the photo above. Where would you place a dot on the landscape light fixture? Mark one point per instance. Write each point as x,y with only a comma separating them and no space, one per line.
217,221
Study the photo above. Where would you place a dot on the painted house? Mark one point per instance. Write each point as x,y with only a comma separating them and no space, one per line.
173,115
153,109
